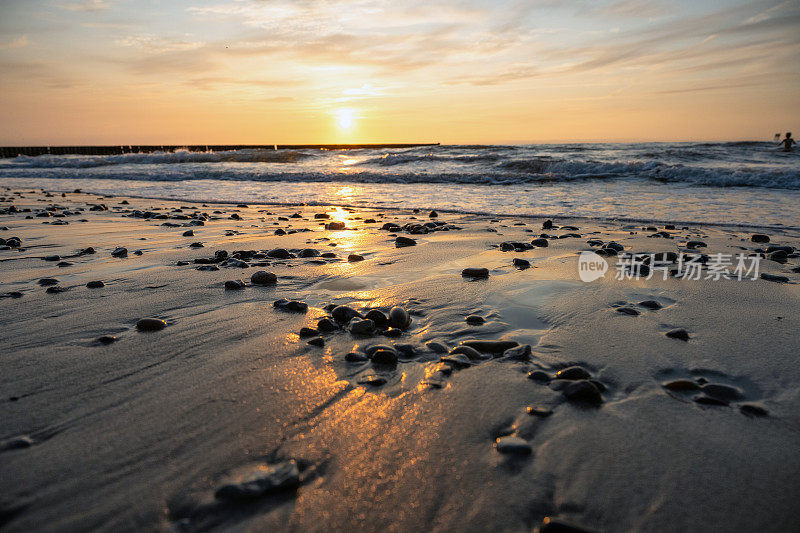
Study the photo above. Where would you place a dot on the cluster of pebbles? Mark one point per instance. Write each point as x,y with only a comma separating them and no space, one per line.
712,389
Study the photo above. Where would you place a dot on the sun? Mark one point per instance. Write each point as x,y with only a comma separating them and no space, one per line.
345,118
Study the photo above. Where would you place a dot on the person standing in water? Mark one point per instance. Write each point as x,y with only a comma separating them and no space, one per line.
787,142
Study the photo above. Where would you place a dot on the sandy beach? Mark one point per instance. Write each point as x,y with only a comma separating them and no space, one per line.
420,396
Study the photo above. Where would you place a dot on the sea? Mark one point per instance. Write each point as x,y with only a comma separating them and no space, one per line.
735,183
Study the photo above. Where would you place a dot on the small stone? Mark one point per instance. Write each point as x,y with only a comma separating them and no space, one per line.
262,480
759,238
539,411
556,525
355,357
513,446
573,373
120,252
547,224
539,375
582,391
235,284
358,326
317,341
87,251
17,443
383,356
372,379
189,233
378,318
458,360
263,278
753,410
521,263
107,339
772,277
321,216
52,258
95,285
719,391
650,304
393,332
680,334
334,226
279,253
475,272
55,290
540,242
308,332
518,353
290,305
343,314
490,346
353,258
150,324
48,282
327,325
709,400
399,318
475,320
471,353
433,214
401,242
627,311
682,385
437,347
308,252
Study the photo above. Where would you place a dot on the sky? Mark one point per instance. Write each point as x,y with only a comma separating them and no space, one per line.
336,71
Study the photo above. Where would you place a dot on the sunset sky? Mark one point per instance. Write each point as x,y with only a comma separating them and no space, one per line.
279,71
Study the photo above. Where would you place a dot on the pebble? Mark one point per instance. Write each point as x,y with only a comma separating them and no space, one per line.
458,360
95,285
197,245
547,224
317,341
393,332
383,356
679,334
556,525
722,392
772,277
708,400
263,278
650,304
437,347
541,243
17,443
308,332
760,238
234,284
682,385
334,226
513,445
475,272
695,244
107,339
539,411
539,375
475,320
327,325
628,311
279,253
399,318
372,379
63,264
321,216
150,324
378,318
433,214
489,346
353,258
262,480
343,314
52,258
518,353
47,282
87,251
308,252
753,410
471,353
290,305
521,263
582,391
188,233
55,290
120,252
573,373
355,357
401,242
358,326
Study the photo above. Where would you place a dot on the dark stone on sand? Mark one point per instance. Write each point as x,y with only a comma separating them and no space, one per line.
393,332
55,290
471,353
343,314
279,231
188,233
208,268
542,412
263,278
457,360
354,258
327,325
107,339
475,272
47,282
355,357
63,264
719,391
540,242
16,443
489,346
97,284
650,304
475,320
399,318
680,334
521,263
779,256
518,353
279,253
753,410
197,245
308,252
557,525
321,216
401,242
263,480
52,258
372,379
293,306
120,252
709,400
383,356
513,446
328,255
378,318
760,238
433,214
547,224
773,277
308,332
359,326
437,347
682,385
150,324
582,391
627,311
539,375
695,244
334,226
234,284
317,341
15,294
573,373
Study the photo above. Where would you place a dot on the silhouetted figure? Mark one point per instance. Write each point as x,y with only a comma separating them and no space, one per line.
787,142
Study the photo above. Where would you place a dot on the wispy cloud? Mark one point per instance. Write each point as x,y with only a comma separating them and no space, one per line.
19,42
87,5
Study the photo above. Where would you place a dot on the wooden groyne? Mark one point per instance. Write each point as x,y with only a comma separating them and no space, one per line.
32,151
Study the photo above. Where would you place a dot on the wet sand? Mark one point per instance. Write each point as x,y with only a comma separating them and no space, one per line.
222,413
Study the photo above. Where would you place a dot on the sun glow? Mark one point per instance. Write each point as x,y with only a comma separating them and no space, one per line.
345,118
